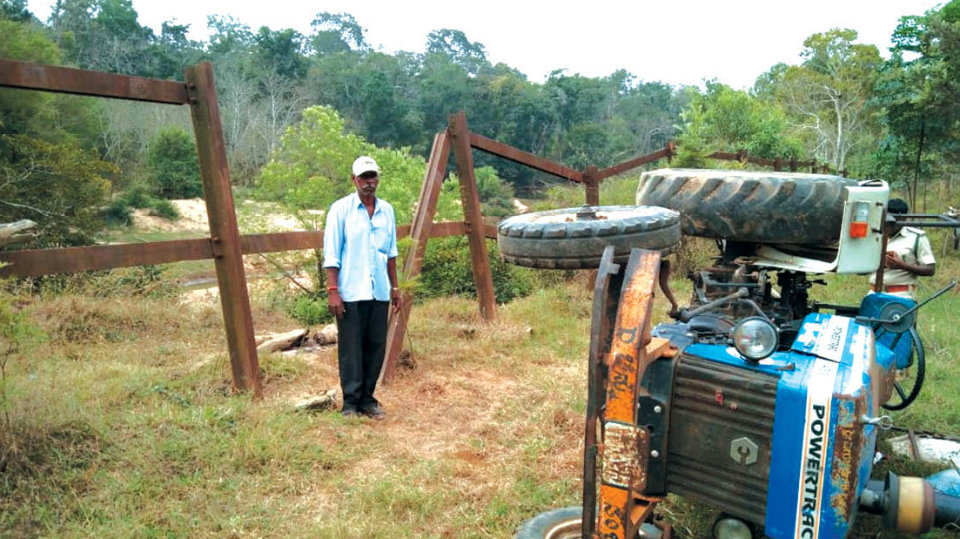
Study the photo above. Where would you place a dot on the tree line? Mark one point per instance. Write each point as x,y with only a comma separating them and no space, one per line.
843,104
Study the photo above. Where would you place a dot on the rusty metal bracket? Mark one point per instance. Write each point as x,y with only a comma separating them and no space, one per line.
216,247
625,450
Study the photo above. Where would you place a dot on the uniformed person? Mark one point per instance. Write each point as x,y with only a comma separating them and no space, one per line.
908,255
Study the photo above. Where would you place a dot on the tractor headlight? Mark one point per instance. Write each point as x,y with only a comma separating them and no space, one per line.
755,338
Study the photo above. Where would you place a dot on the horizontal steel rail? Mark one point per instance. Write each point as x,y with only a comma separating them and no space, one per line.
510,153
635,162
35,262
67,80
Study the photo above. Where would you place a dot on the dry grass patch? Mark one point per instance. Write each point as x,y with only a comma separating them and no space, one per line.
125,424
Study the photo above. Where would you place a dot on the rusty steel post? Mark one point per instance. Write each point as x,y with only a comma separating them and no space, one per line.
224,235
420,233
473,216
591,186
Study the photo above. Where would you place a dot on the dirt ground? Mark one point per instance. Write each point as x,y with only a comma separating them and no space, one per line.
193,218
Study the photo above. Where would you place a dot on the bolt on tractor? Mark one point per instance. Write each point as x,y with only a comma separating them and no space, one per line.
756,400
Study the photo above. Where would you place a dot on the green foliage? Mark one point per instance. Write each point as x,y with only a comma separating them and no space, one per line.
172,165
311,169
17,336
336,32
117,213
447,270
163,208
828,99
310,310
920,96
724,119
496,196
137,195
60,186
103,35
15,10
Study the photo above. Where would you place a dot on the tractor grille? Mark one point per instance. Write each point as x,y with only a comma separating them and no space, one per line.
712,405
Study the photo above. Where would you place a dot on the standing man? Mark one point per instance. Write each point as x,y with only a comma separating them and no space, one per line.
908,255
360,257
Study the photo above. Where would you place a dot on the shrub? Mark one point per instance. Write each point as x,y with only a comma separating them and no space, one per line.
447,270
496,195
311,169
172,165
117,213
137,196
163,208
310,309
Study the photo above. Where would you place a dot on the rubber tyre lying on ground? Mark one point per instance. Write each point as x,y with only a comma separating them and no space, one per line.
558,239
767,207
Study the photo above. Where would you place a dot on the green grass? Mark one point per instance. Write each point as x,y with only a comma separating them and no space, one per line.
122,423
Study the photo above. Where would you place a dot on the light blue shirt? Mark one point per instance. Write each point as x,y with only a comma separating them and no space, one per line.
360,246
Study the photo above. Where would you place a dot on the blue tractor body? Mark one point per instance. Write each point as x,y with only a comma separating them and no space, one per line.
829,385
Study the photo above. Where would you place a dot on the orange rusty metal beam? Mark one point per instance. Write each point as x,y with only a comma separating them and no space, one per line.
626,446
67,80
510,153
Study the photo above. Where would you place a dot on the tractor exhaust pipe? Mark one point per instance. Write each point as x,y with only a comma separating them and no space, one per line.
909,504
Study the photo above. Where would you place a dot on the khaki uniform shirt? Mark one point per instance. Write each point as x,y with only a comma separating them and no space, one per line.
912,245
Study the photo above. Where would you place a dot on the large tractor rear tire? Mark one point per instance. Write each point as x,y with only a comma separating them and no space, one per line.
736,205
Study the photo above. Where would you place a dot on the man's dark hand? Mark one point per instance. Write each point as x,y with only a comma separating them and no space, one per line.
395,300
893,261
335,304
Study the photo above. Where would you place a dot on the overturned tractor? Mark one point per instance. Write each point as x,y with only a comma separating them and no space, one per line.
756,400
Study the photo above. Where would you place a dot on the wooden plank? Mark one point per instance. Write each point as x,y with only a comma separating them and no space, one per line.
34,262
634,163
524,158
67,80
281,241
473,216
420,232
224,234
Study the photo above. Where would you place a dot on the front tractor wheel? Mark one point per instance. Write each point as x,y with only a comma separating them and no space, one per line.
574,238
566,523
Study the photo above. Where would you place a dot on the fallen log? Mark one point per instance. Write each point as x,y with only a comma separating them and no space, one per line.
13,232
283,341
326,335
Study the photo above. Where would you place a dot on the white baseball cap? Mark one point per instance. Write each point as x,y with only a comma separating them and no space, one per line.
365,164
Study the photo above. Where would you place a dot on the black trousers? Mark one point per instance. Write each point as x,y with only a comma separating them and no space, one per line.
362,342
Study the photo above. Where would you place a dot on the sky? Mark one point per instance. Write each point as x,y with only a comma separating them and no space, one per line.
680,42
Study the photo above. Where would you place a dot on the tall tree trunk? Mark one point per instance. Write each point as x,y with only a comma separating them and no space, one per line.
916,167
837,150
